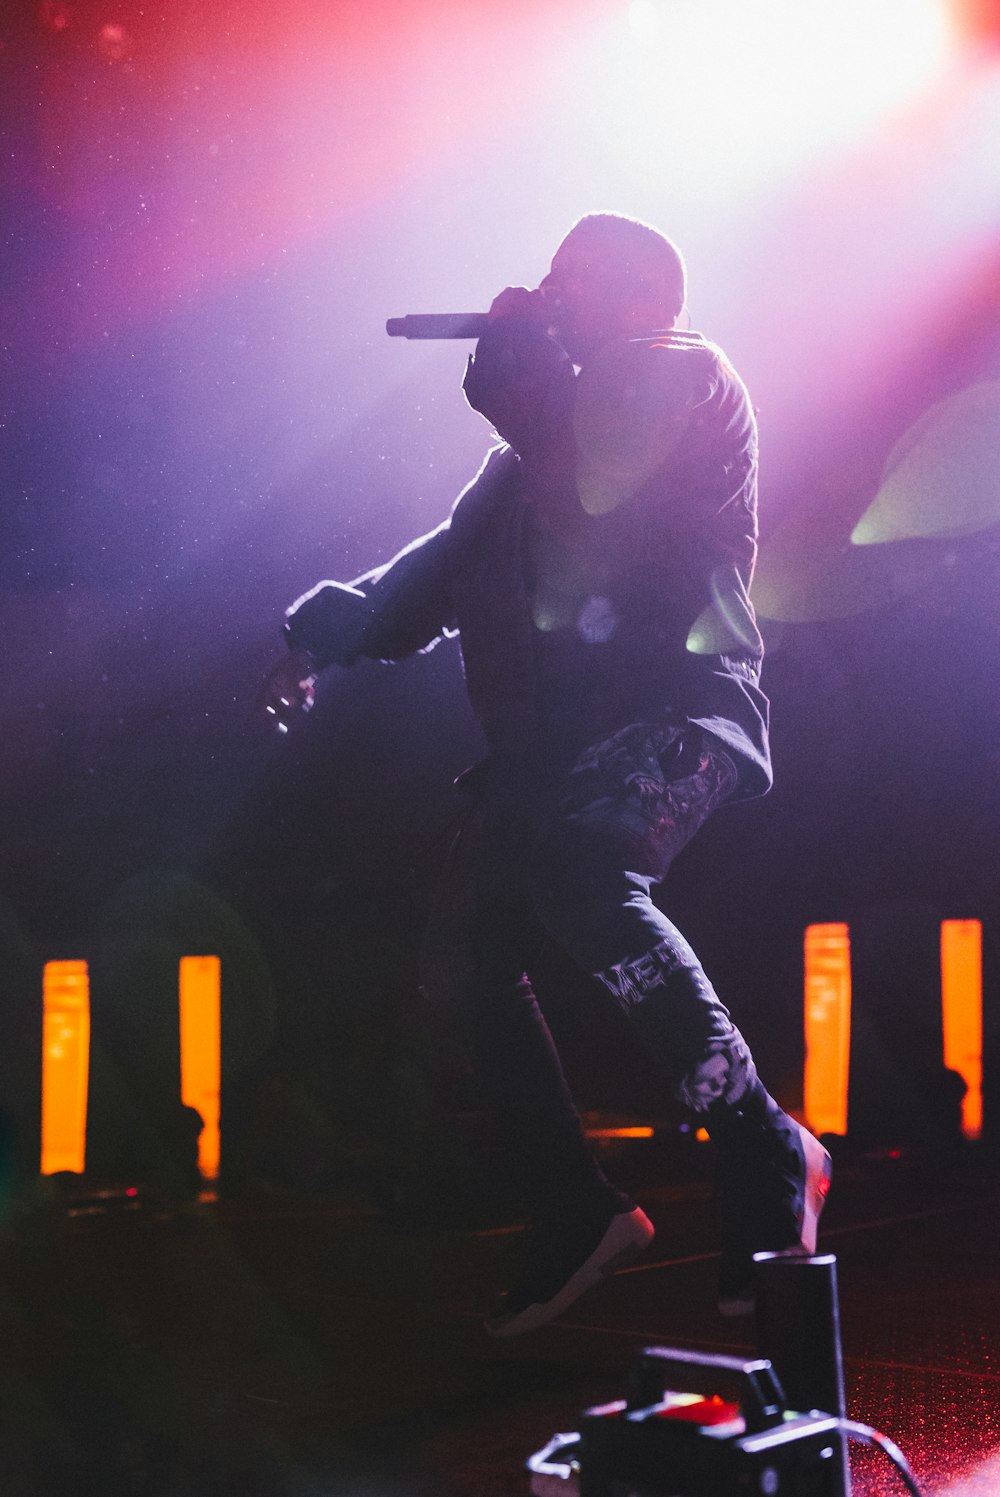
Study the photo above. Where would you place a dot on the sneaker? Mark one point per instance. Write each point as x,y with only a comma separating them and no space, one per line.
564,1263
773,1179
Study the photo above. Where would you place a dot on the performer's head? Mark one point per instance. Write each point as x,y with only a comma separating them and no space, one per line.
612,277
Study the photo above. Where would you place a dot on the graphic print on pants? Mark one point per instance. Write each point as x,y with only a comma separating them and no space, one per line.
648,789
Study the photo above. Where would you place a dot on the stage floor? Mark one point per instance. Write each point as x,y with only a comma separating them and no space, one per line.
315,1348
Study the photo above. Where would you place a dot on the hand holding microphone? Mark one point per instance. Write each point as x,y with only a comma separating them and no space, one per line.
522,380
519,377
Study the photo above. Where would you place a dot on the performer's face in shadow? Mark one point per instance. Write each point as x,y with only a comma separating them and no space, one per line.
594,295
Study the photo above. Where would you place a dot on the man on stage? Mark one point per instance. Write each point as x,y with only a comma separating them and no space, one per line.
597,571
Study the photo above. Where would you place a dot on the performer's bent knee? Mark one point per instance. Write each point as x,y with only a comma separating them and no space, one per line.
687,1032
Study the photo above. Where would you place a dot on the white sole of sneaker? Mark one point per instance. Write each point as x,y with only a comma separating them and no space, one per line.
629,1234
819,1168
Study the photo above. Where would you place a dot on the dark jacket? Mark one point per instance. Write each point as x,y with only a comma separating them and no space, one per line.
589,599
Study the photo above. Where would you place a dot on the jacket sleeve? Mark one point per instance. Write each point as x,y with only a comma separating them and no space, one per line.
387,614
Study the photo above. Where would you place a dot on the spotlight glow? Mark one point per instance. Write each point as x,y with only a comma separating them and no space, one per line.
746,92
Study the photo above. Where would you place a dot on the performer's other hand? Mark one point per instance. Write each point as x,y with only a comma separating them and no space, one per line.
288,689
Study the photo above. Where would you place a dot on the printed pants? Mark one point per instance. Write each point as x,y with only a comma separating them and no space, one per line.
583,875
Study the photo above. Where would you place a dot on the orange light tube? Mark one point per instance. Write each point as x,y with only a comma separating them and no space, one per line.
962,1013
640,1131
65,1066
827,1027
201,1051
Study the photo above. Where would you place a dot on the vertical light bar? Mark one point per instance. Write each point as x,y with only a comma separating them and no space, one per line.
201,1050
65,1066
962,1013
827,1027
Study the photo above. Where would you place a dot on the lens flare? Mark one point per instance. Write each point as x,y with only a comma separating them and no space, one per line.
803,577
943,477
723,628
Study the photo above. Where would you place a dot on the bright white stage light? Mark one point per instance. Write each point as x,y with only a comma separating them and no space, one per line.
743,91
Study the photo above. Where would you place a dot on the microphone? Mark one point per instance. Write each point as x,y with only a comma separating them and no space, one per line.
438,325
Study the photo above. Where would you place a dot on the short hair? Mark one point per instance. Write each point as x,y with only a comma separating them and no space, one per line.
643,249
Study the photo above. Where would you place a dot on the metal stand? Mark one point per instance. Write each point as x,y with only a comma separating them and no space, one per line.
798,1330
